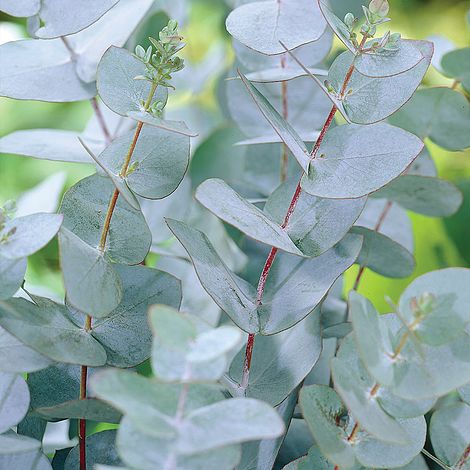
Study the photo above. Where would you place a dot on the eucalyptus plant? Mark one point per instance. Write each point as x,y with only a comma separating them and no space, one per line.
234,345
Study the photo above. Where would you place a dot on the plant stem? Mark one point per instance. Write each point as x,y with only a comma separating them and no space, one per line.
272,254
102,247
285,114
455,84
435,459
377,227
101,121
462,461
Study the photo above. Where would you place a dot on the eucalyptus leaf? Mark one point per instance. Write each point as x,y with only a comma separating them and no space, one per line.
112,29
368,100
17,357
40,70
85,206
91,282
373,453
183,354
90,409
423,373
337,25
48,330
151,405
321,406
47,144
56,24
159,161
455,65
316,224
20,7
285,131
385,63
356,160
12,443
116,82
225,203
280,362
438,303
124,333
26,235
28,460
12,274
441,114
356,389
296,286
235,296
14,400
311,54
134,445
384,255
177,127
433,197
261,25
100,449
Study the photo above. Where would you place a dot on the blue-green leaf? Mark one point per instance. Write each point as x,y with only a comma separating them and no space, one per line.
159,161
23,236
316,224
40,70
450,435
228,205
441,114
47,329
14,400
356,160
280,362
54,23
369,100
261,25
91,283
433,197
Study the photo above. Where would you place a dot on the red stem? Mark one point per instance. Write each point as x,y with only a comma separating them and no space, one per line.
464,458
290,211
82,422
101,121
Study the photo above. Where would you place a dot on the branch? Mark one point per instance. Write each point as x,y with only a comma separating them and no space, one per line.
290,211
101,121
102,247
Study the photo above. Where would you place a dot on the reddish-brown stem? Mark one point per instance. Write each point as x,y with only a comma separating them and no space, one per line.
272,254
359,277
463,460
383,215
354,431
101,121
377,227
247,364
285,114
336,467
82,422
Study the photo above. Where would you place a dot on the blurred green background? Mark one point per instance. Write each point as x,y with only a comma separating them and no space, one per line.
439,243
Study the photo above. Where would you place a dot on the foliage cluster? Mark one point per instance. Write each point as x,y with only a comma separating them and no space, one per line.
256,360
